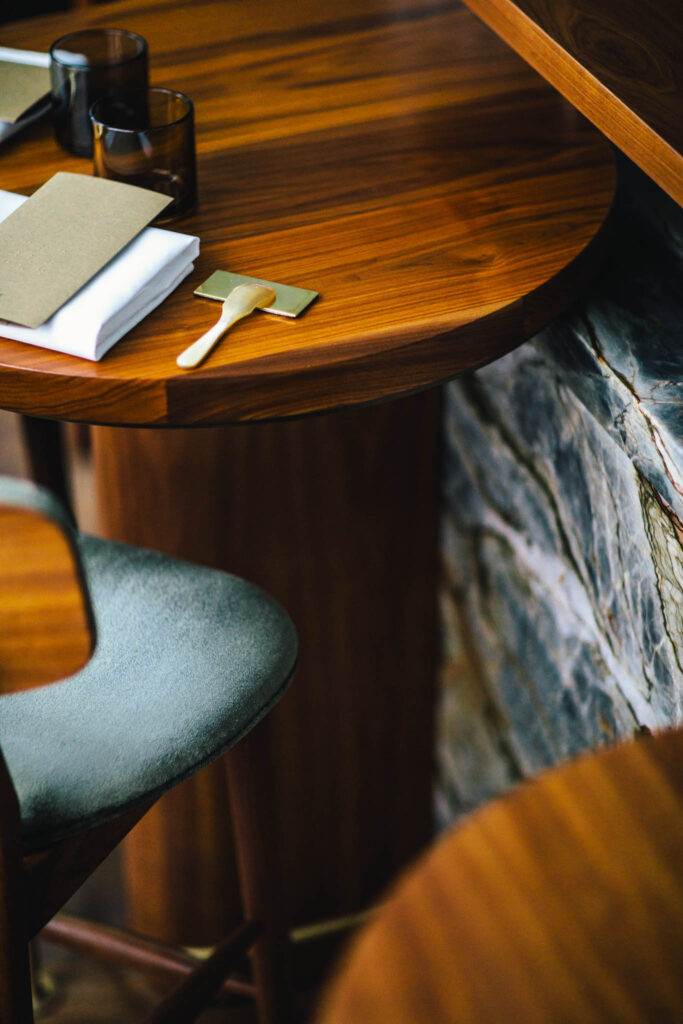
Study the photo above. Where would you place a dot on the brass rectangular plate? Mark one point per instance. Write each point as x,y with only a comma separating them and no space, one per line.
289,301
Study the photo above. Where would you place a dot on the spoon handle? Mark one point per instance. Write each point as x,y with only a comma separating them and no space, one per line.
241,301
199,349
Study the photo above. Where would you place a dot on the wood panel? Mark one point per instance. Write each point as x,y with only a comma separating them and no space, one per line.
620,62
336,516
562,902
395,156
47,631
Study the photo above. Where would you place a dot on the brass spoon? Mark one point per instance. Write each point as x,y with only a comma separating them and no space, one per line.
241,301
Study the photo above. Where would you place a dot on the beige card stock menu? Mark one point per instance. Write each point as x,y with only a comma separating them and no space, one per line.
62,236
21,85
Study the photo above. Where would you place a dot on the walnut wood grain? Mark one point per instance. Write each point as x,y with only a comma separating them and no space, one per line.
562,902
336,516
47,629
397,157
620,62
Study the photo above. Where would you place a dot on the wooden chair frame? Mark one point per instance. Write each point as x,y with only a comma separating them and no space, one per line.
35,886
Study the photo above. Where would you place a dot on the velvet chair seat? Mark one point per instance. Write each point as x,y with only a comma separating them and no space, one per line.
187,661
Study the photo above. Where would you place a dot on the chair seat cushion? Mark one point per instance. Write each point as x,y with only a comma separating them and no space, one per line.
187,661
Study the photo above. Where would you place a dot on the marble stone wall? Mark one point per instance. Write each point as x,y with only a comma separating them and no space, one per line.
563,524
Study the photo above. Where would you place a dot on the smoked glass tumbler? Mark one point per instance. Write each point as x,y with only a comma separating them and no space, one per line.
84,66
148,141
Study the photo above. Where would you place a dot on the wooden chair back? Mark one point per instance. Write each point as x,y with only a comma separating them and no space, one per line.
561,902
47,630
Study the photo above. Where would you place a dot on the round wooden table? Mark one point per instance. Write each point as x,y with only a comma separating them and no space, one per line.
395,157
562,902
446,203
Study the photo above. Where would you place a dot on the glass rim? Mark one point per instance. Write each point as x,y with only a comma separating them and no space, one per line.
139,92
100,64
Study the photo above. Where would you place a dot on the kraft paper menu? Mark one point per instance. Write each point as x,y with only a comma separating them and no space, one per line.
62,236
21,85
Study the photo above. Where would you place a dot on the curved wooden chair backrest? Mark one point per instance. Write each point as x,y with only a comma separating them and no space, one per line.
46,624
562,902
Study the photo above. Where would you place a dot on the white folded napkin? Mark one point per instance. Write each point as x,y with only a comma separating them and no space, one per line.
131,285
40,60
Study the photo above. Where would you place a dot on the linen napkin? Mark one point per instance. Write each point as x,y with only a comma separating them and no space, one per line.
129,287
38,109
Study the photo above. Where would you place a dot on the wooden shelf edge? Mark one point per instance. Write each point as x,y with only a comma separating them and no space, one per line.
614,118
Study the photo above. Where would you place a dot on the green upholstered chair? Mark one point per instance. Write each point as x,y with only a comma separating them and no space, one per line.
161,667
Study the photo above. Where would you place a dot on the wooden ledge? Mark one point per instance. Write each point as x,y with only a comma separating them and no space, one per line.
620,63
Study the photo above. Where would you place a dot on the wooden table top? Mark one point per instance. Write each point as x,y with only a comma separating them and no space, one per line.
562,902
619,61
393,155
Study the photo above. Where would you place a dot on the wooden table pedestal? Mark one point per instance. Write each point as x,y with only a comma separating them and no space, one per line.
336,516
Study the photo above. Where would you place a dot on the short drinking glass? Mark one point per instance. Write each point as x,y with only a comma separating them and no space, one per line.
85,66
148,141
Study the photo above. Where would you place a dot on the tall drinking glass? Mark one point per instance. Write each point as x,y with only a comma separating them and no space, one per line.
85,66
